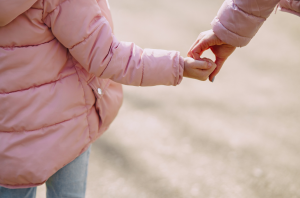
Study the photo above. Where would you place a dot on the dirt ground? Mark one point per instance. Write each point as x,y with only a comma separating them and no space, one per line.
235,138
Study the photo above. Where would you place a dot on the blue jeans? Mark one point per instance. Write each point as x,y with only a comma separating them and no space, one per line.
68,182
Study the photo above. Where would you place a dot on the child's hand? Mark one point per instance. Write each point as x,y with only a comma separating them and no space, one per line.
198,69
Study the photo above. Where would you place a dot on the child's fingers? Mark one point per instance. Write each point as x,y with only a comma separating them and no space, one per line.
205,64
202,75
198,69
205,68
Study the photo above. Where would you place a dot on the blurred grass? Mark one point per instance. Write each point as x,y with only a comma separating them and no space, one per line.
236,137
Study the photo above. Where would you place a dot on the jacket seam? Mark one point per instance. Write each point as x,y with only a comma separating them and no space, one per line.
247,13
32,87
85,38
24,46
258,8
87,110
110,51
43,2
37,8
54,8
45,126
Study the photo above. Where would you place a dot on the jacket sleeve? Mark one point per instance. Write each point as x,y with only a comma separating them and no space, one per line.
80,27
9,10
238,21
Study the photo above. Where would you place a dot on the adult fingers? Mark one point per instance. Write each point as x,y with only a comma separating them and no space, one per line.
189,54
222,52
204,41
197,48
219,63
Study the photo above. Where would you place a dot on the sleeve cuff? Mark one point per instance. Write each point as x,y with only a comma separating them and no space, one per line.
180,71
227,36
235,26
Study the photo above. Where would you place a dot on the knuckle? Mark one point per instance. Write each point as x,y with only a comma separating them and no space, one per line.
205,67
202,78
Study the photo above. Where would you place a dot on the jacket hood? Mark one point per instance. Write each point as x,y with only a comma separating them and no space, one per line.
10,9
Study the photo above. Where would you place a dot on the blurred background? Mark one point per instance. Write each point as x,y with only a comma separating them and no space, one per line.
238,137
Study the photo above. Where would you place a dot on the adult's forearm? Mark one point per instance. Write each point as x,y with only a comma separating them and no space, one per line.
238,21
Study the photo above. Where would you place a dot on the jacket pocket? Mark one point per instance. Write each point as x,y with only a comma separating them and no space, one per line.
109,97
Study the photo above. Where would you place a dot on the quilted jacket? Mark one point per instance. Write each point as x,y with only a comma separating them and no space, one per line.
239,20
60,66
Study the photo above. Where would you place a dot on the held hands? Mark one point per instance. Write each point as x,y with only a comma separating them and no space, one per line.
198,69
208,40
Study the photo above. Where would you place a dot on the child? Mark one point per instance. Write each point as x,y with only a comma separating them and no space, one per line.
60,66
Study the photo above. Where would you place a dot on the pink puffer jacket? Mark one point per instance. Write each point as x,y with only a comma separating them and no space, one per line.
239,20
60,66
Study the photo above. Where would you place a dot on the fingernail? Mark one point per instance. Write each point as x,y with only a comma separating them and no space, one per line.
209,64
213,79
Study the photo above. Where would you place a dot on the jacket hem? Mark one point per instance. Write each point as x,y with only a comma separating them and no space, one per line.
21,185
18,186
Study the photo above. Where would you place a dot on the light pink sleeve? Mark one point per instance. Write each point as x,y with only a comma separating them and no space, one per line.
292,7
80,27
238,21
9,10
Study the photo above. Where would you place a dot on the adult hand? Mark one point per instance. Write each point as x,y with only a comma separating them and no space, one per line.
208,40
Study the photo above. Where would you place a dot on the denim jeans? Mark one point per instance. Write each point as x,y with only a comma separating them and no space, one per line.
68,182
